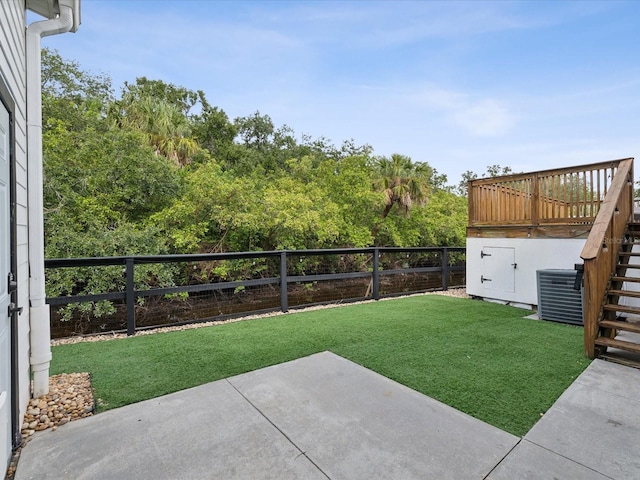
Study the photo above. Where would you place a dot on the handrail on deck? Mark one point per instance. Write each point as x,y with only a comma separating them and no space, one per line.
600,252
566,196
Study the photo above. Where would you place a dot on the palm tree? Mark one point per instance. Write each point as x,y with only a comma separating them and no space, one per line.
403,182
165,126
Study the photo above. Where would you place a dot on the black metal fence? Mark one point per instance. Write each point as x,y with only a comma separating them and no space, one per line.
220,286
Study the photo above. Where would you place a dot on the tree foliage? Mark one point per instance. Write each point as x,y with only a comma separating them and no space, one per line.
160,119
403,182
492,171
158,169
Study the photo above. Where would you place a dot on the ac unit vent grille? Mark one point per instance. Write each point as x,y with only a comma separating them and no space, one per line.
558,301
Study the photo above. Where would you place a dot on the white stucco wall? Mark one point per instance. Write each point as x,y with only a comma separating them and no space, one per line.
530,255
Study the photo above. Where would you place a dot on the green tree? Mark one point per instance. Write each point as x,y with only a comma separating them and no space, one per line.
71,96
403,182
64,79
348,182
262,145
492,171
100,186
166,128
188,102
190,127
215,133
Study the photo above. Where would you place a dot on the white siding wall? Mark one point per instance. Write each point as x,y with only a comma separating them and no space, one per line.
13,72
530,254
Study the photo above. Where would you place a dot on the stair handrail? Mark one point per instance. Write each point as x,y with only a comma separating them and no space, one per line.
600,252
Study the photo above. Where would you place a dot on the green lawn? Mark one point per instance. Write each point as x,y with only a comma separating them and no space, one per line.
478,357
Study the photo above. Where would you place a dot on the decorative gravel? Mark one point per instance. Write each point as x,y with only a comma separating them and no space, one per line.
70,397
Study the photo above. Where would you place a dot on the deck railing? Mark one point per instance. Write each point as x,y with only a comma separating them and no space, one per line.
600,253
561,196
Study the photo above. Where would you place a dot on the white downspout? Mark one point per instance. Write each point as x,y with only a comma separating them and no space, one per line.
38,309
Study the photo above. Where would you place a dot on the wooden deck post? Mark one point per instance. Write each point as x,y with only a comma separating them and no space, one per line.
591,308
471,204
535,200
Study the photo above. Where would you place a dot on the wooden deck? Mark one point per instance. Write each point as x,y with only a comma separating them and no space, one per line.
559,203
594,202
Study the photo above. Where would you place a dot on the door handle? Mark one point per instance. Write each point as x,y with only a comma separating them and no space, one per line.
482,254
483,279
13,309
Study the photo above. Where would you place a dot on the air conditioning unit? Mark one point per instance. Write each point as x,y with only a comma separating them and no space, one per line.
558,300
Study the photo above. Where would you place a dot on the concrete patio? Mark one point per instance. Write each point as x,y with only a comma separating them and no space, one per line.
323,417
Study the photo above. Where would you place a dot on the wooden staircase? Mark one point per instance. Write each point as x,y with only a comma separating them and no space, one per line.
609,260
618,337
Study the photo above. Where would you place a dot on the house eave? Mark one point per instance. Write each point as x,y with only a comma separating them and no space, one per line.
51,9
45,8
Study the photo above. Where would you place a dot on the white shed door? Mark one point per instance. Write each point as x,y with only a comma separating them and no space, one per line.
498,268
5,265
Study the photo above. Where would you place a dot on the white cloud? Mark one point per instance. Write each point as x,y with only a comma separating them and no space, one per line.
484,118
481,117
396,23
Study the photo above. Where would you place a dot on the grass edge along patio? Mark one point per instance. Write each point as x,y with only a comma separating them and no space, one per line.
482,358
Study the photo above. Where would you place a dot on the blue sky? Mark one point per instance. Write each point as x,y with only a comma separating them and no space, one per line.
461,85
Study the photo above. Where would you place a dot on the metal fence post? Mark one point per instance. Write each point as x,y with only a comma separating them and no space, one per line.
376,274
392,268
284,299
131,299
445,268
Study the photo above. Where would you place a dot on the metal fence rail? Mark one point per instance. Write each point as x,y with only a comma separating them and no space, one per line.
227,285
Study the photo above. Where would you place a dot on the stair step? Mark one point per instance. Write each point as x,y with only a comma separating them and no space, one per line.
622,308
624,293
625,279
632,273
629,327
629,362
632,238
621,344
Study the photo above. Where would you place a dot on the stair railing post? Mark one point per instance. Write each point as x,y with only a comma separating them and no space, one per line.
284,299
130,298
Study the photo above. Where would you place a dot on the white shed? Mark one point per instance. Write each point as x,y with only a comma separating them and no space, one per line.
24,316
